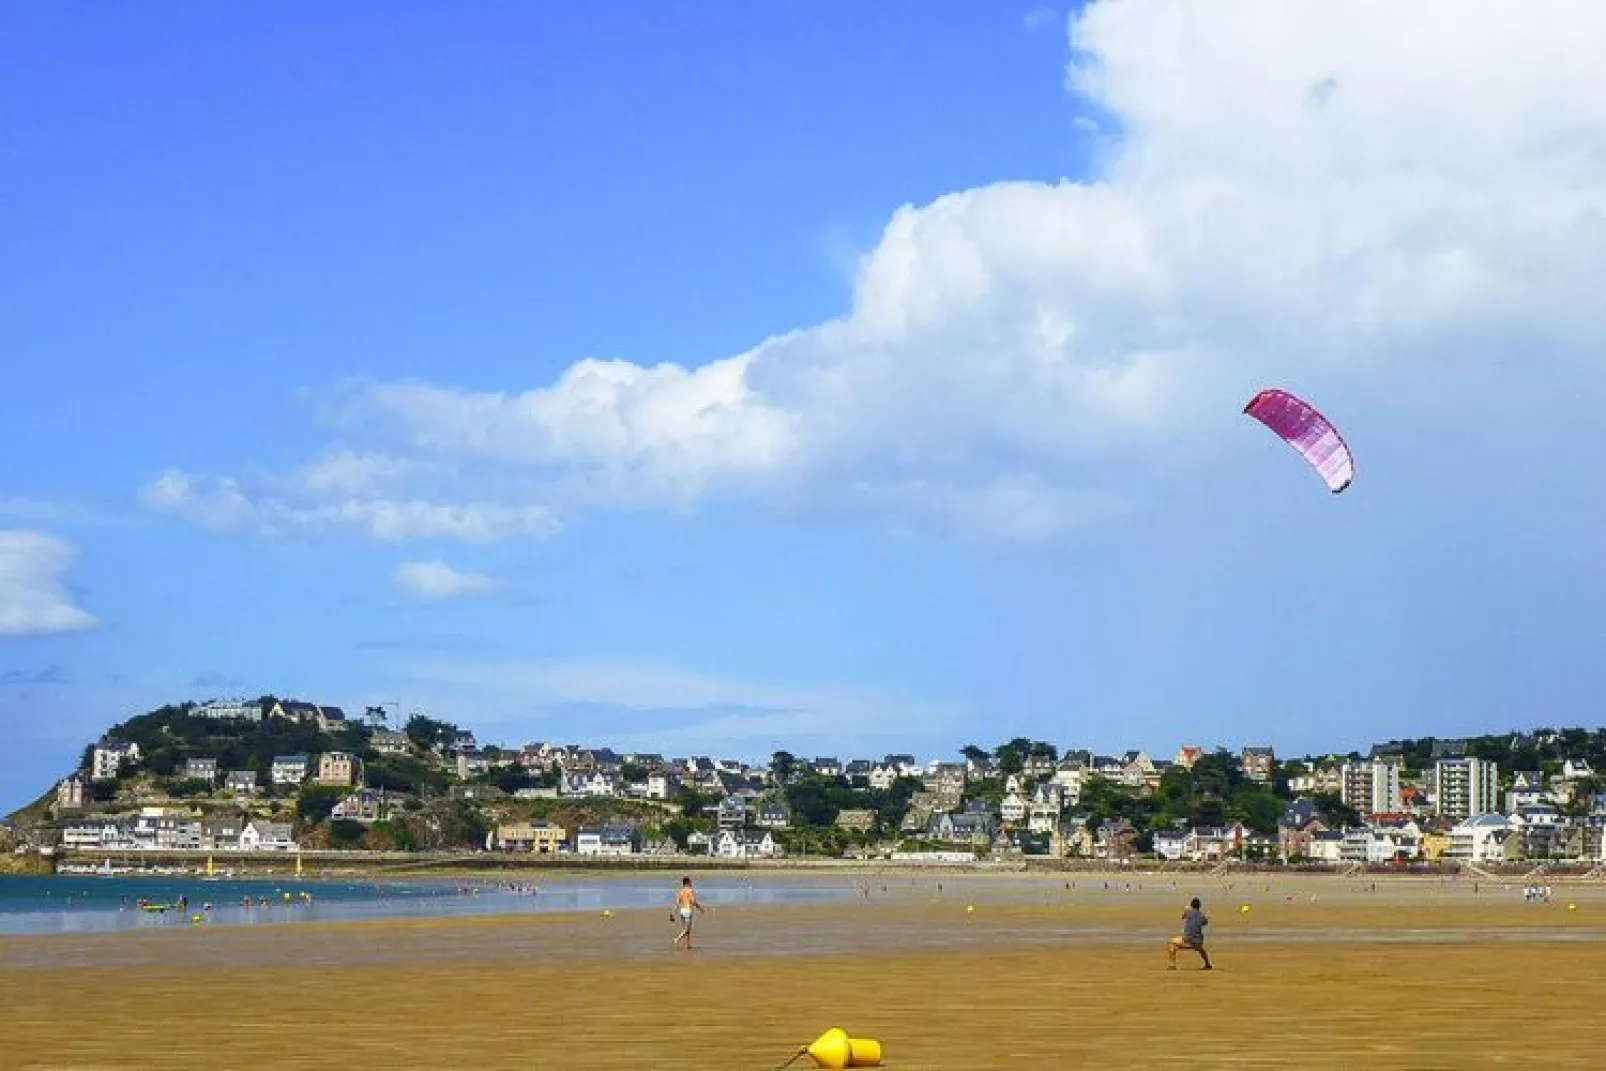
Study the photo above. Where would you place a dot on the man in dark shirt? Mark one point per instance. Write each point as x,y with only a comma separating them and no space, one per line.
1193,924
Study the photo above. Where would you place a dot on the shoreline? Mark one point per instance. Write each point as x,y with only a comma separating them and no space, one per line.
462,897
402,864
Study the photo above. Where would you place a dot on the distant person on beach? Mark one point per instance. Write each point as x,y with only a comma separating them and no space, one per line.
685,903
1192,936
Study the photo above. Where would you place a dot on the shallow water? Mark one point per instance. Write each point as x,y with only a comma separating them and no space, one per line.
93,904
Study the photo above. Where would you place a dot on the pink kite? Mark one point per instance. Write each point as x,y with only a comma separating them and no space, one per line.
1299,425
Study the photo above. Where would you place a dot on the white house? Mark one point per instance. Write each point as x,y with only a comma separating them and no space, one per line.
1013,807
201,769
260,836
1573,769
744,844
607,840
1069,778
1171,844
1480,839
1527,788
94,833
230,710
595,783
1043,816
1327,845
109,755
289,769
389,742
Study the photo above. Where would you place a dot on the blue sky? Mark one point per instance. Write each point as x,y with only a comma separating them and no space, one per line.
847,379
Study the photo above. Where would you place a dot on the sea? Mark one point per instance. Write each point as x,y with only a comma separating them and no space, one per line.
89,903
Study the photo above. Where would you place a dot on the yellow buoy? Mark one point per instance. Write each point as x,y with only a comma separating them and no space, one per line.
834,1049
1244,909
1572,907
607,914
864,1052
970,909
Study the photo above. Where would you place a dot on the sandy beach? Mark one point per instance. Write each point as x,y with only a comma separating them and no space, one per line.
1320,972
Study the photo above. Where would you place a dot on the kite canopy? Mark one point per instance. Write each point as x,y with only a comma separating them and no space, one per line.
1299,425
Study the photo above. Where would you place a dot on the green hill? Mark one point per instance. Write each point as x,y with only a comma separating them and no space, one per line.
170,735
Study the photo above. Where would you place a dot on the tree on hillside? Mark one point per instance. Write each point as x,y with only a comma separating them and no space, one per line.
1103,800
816,800
893,804
974,753
345,833
316,803
1334,812
1011,756
693,803
428,733
462,826
783,764
508,778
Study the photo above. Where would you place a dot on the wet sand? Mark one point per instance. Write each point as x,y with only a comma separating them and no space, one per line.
1416,974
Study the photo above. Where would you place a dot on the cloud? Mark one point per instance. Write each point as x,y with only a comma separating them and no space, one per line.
648,706
437,580
220,504
348,472
48,675
1039,18
1353,199
34,600
423,641
34,510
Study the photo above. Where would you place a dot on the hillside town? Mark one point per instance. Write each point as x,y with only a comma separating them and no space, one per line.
220,776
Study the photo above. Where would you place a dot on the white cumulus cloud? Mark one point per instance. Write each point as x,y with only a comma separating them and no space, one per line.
34,599
220,504
1346,198
437,580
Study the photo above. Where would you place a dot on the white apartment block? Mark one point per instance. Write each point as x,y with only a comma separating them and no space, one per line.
234,709
109,755
1463,788
1372,787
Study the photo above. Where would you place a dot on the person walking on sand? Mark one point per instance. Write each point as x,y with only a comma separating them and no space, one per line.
1192,937
685,903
